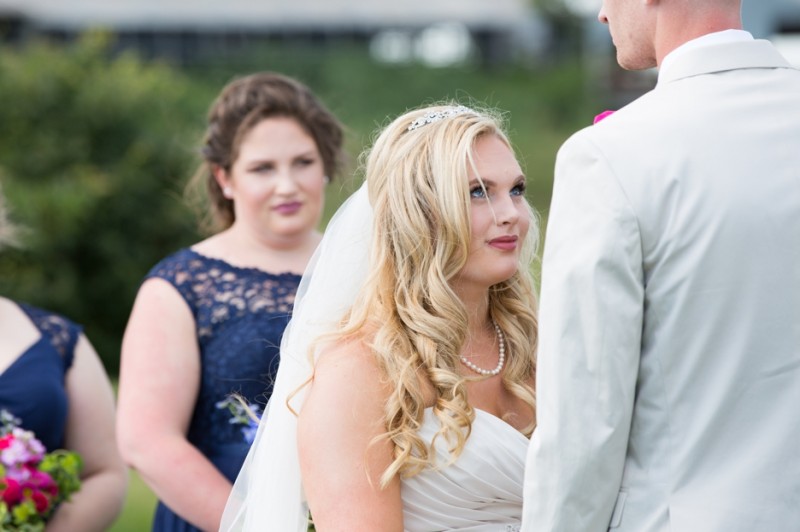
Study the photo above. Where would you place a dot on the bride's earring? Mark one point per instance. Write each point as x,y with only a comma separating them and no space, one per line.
227,192
326,179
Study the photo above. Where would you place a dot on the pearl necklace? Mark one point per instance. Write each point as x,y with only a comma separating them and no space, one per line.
501,359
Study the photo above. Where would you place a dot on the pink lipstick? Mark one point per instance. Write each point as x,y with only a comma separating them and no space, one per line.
505,243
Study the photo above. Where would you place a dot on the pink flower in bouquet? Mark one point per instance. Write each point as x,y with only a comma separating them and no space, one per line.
601,116
41,501
43,482
21,448
32,482
12,493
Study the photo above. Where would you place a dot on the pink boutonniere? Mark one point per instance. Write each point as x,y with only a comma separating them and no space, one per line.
604,114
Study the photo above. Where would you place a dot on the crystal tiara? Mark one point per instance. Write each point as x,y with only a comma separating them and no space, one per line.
435,116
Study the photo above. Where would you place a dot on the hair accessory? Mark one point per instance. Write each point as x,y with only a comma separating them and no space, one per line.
501,358
435,116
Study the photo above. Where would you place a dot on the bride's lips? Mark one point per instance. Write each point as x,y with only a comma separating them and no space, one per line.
290,207
505,243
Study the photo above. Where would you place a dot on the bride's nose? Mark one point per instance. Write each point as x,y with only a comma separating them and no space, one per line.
505,211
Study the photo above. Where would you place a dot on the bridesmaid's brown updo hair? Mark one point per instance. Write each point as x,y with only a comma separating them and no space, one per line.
241,105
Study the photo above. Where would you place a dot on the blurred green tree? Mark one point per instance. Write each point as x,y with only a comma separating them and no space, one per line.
94,152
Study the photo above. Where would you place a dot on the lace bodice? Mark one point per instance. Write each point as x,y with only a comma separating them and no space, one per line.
240,315
480,492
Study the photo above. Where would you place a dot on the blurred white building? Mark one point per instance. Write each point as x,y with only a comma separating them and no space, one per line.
434,31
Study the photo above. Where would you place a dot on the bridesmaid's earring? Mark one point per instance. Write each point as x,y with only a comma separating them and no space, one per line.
326,179
227,192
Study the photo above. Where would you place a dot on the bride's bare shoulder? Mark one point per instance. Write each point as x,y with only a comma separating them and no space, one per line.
346,362
345,394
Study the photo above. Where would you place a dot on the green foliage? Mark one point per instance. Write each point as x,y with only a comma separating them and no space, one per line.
25,518
64,467
93,154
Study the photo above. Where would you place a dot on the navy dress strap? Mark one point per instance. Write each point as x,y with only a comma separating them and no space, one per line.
32,388
62,333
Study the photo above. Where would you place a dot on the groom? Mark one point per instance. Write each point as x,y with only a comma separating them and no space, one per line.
668,378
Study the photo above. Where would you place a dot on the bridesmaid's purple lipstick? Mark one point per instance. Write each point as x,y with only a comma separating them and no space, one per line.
288,208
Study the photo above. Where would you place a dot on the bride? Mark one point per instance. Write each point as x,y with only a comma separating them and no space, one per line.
404,398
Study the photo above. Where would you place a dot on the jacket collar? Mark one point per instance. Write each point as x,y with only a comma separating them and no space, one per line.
721,57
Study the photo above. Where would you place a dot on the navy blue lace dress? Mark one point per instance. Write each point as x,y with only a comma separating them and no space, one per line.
240,315
32,387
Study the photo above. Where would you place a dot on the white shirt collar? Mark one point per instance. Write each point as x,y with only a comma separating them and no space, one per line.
719,37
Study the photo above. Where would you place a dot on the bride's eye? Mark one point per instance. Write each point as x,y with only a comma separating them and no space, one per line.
477,192
518,190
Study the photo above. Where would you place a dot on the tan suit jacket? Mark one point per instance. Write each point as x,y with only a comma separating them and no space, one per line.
669,366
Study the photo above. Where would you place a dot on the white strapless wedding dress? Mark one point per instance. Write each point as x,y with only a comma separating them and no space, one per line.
480,492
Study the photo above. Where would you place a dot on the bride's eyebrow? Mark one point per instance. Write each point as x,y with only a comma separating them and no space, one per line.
489,183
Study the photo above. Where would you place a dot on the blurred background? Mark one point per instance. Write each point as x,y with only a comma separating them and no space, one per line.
102,108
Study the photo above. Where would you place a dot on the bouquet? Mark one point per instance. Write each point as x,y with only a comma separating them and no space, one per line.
32,482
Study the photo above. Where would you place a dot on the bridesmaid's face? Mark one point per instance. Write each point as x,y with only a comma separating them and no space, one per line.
277,182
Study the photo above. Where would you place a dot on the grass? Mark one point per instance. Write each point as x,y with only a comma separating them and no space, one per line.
140,505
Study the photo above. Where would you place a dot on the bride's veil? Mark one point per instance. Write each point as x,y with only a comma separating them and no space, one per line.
268,493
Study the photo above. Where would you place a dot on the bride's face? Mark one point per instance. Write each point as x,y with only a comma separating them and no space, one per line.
499,214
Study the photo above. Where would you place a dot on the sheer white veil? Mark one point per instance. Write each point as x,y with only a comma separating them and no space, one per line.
268,493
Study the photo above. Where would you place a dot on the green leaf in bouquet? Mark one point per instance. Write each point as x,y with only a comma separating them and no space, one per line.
26,518
64,467
5,515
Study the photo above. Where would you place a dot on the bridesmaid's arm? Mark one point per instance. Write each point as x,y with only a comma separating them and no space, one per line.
159,383
341,466
90,432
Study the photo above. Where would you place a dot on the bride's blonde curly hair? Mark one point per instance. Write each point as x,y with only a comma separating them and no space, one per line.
407,311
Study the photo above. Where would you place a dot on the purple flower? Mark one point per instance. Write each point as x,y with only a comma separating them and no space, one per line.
21,448
16,453
242,413
250,431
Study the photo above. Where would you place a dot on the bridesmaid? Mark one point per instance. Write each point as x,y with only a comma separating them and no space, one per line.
208,320
53,381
